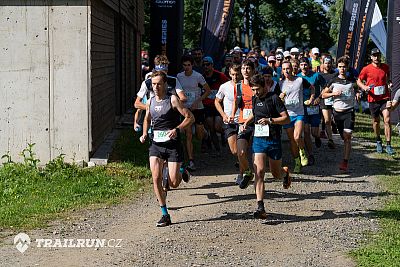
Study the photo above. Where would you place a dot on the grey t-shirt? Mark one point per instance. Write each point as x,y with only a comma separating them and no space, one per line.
191,87
345,100
294,95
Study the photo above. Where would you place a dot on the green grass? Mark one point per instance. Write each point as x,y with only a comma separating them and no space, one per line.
31,196
383,247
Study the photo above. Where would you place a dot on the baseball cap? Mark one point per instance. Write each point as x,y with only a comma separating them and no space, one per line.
279,50
375,51
315,50
286,54
208,59
279,55
271,58
294,50
237,49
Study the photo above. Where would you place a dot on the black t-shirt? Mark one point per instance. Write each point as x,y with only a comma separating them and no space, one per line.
328,76
269,106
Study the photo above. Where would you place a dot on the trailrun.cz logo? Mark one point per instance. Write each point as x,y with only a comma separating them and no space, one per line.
22,241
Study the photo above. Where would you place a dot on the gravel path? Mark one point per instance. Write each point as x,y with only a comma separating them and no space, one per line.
314,223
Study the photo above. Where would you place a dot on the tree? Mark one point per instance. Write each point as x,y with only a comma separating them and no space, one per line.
193,12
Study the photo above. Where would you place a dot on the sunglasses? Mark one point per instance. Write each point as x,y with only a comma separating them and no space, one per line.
207,64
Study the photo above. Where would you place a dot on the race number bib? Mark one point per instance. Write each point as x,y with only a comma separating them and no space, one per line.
292,102
213,94
329,101
191,97
379,90
312,110
261,130
246,113
161,136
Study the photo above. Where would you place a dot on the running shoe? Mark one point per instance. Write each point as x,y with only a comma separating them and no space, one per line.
297,165
247,177
185,175
260,214
344,166
239,179
287,180
311,160
164,221
389,150
191,166
165,183
318,142
379,147
303,158
331,144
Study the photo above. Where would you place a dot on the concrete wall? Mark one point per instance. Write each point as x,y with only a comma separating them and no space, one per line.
44,84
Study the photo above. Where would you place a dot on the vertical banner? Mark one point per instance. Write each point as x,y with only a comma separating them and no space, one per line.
217,16
166,32
378,30
354,30
393,48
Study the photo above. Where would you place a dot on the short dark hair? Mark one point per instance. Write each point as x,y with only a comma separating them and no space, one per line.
249,63
345,60
257,79
268,70
304,60
235,67
159,73
187,58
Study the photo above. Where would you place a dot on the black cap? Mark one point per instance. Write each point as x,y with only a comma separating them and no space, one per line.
375,51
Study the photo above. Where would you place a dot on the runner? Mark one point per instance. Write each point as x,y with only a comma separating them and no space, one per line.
392,105
312,98
376,76
326,104
292,93
197,54
243,96
163,114
213,121
190,81
226,95
269,114
270,84
342,90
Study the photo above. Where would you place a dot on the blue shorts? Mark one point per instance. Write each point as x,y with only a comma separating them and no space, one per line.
314,120
272,148
293,120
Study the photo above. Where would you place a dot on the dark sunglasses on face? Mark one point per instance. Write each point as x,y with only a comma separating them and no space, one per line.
206,64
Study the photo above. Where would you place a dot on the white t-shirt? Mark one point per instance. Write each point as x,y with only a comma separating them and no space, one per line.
143,88
190,85
227,93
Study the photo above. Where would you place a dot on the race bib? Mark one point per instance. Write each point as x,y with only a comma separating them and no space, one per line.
292,102
213,94
161,136
329,101
246,113
261,130
191,97
346,95
379,90
312,110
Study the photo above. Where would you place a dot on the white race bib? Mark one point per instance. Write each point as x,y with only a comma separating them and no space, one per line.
292,102
312,110
329,101
379,90
246,113
261,130
161,136
213,94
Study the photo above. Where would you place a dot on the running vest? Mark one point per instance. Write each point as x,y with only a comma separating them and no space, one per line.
163,115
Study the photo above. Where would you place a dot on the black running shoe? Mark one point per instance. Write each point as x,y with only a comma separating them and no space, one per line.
287,180
311,160
185,175
247,177
260,214
331,144
164,221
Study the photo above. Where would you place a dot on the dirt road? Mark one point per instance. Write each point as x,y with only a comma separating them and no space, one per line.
314,223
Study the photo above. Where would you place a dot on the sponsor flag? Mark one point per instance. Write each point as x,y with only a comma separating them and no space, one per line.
217,16
378,31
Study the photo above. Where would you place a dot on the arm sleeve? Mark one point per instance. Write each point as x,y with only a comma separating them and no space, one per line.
220,94
201,80
178,86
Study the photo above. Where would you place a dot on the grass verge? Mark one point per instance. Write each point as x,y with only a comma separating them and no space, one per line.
30,196
383,248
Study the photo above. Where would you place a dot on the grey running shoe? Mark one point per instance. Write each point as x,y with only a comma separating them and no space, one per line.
191,166
379,147
164,221
389,150
239,179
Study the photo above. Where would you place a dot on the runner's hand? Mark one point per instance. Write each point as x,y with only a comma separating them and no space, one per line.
143,138
264,121
242,128
172,134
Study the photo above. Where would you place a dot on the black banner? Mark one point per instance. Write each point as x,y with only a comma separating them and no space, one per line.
166,32
217,16
354,30
393,42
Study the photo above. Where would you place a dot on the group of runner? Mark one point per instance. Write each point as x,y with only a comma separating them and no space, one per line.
247,104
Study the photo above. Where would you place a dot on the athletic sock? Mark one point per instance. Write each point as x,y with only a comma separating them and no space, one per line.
378,139
164,210
260,205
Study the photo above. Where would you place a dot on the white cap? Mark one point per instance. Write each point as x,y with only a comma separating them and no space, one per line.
279,50
315,50
294,50
237,49
286,54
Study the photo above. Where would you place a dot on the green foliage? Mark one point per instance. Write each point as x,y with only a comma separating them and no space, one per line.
193,12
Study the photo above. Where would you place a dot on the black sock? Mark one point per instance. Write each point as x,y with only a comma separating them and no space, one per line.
388,143
260,205
378,139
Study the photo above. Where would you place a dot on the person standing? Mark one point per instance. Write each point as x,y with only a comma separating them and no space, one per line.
373,79
163,113
269,114
342,90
